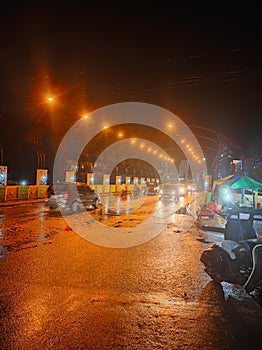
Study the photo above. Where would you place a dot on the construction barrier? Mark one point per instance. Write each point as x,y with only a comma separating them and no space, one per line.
2,194
22,192
99,188
112,188
106,188
41,191
12,193
32,192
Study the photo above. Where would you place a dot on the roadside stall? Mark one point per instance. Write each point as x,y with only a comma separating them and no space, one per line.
246,183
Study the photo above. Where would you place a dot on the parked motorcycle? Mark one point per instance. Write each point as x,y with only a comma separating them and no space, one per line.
238,260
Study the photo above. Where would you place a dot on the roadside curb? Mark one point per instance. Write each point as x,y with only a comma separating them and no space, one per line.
20,202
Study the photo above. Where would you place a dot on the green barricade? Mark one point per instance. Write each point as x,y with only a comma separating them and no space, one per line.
2,194
22,192
41,191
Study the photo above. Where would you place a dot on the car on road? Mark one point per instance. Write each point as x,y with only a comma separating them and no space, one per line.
169,192
191,188
182,189
152,189
73,196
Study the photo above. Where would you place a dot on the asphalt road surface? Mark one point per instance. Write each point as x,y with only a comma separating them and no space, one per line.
60,291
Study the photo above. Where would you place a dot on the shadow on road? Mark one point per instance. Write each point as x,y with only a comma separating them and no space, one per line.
240,310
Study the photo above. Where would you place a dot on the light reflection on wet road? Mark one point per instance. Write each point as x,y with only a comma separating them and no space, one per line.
26,226
59,291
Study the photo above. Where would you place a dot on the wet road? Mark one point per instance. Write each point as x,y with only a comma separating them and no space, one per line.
59,291
26,226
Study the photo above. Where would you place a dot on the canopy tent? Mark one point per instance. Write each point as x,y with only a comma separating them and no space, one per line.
238,182
221,181
231,179
247,183
228,180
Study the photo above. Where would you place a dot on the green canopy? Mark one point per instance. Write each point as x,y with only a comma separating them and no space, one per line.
246,182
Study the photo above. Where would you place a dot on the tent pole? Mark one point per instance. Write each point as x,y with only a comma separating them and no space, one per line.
242,195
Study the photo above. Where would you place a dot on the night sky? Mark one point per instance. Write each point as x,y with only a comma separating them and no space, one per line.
201,62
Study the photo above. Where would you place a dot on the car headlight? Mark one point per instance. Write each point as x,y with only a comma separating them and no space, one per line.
181,190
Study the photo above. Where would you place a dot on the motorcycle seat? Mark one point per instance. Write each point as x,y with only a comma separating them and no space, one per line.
239,227
229,247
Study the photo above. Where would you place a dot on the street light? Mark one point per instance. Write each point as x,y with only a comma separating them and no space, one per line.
50,99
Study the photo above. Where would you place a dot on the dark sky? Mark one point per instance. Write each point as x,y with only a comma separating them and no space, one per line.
202,62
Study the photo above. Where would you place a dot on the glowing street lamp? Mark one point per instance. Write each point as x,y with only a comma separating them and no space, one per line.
50,99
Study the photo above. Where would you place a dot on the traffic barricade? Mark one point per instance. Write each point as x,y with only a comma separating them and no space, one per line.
2,194
22,192
106,188
11,193
99,188
32,192
41,191
112,188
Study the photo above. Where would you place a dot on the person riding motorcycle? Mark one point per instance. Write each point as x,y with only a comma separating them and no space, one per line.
123,190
